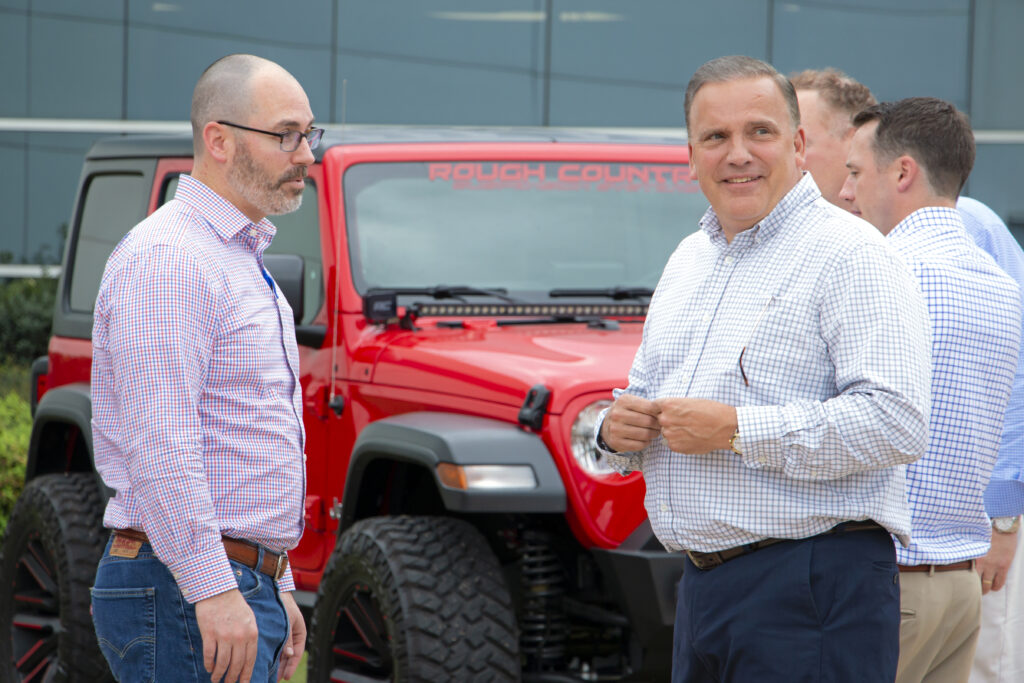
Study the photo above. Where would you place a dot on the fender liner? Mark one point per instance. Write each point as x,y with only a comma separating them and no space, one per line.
429,438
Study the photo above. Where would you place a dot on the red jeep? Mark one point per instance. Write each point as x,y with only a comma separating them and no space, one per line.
465,301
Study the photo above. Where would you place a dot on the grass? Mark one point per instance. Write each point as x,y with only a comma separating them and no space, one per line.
300,673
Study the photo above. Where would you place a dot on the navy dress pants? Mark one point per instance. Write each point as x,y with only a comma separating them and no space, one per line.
816,610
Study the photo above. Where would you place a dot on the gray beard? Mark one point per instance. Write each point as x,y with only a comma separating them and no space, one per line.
252,184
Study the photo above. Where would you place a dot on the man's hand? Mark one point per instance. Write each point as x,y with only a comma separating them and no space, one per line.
995,565
230,636
630,424
696,425
295,643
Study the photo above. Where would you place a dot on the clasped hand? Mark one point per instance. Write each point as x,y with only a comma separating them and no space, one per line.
688,425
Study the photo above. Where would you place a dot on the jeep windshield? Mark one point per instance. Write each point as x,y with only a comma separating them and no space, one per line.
525,228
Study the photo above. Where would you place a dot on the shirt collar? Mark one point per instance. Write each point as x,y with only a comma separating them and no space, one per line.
224,217
926,218
802,194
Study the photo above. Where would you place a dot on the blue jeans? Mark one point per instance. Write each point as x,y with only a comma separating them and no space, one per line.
820,609
148,631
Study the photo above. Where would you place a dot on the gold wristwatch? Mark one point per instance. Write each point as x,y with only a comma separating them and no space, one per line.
1006,525
734,443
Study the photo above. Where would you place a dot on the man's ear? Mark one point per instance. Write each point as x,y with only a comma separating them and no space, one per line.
219,145
908,172
800,145
693,164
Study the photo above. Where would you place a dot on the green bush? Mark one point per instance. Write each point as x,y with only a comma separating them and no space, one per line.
15,429
26,316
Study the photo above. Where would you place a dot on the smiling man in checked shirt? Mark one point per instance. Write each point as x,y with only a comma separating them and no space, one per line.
908,162
782,379
197,404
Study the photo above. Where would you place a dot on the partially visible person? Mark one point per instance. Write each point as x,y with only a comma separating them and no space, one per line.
781,382
828,101
197,402
1000,657
907,163
829,96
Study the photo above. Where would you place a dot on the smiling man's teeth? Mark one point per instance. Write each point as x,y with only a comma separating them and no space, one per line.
739,180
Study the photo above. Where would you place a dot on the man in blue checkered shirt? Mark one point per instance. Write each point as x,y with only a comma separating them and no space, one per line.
907,163
782,381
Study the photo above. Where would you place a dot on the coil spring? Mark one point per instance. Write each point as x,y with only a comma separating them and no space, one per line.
543,625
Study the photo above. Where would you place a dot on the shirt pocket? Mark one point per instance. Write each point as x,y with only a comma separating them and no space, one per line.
786,348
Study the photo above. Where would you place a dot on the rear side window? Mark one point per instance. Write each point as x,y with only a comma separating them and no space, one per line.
113,204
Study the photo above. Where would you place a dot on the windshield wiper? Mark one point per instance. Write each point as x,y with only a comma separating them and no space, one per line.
617,293
452,292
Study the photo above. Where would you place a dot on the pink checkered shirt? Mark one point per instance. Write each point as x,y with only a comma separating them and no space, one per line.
197,413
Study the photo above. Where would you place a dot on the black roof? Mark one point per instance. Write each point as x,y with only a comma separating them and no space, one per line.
127,146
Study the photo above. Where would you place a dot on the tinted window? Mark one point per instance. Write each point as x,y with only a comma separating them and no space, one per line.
297,233
525,226
113,205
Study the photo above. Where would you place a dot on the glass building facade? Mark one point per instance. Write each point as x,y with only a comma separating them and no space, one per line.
485,62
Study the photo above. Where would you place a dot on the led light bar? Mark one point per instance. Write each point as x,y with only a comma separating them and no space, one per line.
511,309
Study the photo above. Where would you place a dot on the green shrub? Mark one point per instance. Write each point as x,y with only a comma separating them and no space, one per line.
15,429
15,377
26,316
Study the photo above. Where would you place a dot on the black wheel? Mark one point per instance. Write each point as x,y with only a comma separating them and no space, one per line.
413,599
53,543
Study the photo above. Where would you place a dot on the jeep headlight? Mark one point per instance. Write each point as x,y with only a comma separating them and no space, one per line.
582,438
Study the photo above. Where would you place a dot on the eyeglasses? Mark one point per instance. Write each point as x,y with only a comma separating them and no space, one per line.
291,140
757,324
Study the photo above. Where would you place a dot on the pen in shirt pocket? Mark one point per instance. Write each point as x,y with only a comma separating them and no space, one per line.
753,331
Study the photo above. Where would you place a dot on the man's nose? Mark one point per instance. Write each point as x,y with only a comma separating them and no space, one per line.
738,153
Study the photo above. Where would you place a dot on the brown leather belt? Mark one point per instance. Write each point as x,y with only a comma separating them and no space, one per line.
274,564
932,568
707,561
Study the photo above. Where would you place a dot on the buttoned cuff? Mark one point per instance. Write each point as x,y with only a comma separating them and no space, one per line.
204,575
761,429
287,581
1004,498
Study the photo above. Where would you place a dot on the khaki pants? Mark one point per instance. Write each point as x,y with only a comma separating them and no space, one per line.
940,622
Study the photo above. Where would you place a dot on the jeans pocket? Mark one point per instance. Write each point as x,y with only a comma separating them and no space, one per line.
125,621
249,580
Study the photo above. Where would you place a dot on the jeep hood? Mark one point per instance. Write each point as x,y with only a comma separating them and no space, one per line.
501,364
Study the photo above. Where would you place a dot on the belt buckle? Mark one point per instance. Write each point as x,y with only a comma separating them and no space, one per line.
282,564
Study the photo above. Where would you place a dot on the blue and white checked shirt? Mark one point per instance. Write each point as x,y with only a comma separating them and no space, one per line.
196,398
837,358
975,311
1004,496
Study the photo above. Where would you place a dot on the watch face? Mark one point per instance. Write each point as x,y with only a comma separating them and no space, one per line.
1005,525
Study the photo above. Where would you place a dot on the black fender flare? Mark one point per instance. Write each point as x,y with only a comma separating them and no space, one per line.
429,438
70,404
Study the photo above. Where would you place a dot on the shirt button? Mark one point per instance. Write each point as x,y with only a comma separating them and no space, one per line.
253,232
706,318
663,507
729,260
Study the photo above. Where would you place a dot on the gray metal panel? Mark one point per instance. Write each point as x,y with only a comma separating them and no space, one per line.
429,438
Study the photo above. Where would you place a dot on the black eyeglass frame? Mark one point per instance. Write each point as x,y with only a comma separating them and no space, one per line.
313,135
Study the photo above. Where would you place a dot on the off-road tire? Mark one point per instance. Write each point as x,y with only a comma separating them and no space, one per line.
53,542
413,600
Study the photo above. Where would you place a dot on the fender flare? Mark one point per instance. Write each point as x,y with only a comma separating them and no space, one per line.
428,438
70,404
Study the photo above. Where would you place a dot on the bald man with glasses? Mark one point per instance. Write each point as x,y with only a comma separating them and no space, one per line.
197,402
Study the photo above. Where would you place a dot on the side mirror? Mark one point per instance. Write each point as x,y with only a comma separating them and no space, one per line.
289,272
